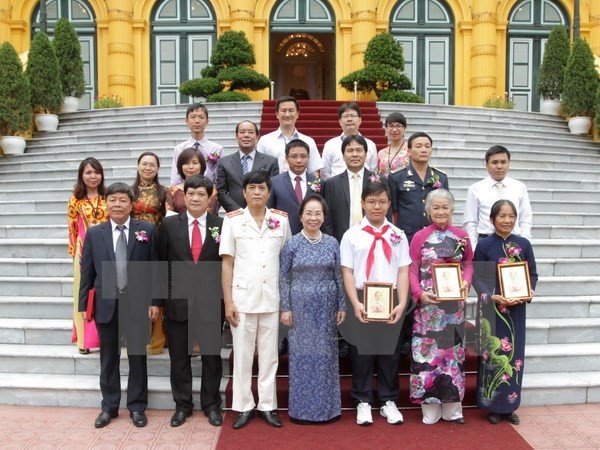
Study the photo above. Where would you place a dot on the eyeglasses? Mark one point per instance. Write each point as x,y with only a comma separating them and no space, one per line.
151,165
349,116
395,126
373,203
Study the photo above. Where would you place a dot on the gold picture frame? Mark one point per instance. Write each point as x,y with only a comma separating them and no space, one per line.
378,300
447,281
515,283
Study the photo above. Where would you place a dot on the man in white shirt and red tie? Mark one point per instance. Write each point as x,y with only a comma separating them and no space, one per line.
375,251
497,186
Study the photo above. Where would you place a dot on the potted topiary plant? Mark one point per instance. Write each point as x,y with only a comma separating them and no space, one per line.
552,71
580,85
68,52
44,80
15,108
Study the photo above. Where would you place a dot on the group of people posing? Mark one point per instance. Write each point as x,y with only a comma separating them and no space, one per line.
304,236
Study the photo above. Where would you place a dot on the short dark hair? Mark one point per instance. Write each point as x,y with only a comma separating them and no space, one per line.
495,150
296,143
354,138
185,156
395,117
119,188
498,205
198,181
416,135
314,197
237,127
349,106
161,191
375,188
80,190
287,98
193,107
257,177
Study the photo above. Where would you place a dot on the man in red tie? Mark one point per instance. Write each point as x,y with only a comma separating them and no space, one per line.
375,251
189,243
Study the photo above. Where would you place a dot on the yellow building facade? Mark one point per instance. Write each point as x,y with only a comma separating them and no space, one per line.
456,51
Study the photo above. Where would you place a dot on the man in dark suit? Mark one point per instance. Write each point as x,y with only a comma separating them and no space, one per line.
291,186
119,258
233,167
189,242
342,193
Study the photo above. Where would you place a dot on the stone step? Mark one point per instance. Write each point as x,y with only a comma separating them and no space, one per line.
34,248
34,231
548,358
48,218
563,331
36,331
566,248
568,267
556,286
29,307
37,286
564,232
561,388
568,306
36,267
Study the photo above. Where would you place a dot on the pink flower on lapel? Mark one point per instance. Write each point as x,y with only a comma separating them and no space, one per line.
374,179
141,236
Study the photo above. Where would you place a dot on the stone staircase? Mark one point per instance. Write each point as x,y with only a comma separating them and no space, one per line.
39,365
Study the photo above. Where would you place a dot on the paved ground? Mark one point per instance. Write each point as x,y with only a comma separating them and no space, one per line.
28,427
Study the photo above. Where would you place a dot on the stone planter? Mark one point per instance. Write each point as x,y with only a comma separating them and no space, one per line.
13,145
70,104
551,107
46,122
580,125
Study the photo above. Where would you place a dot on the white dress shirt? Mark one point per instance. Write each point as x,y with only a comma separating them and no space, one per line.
354,251
116,233
480,198
333,159
201,225
303,185
274,143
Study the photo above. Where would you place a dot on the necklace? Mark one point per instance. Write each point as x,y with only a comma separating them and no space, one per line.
96,213
313,240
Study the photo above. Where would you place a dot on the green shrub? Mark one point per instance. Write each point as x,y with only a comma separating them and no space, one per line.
44,76
108,101
499,102
580,81
68,51
228,96
552,71
392,95
15,96
242,77
201,87
597,108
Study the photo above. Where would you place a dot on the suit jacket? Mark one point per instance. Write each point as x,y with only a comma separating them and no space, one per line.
230,178
98,271
185,281
283,197
336,192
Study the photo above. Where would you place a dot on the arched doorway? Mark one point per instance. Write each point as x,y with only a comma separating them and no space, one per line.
303,49
530,23
426,31
81,16
183,35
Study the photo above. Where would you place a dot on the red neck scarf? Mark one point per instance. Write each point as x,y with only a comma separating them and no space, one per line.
387,249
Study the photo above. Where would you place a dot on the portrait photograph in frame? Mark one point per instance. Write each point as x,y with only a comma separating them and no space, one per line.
378,300
447,281
515,283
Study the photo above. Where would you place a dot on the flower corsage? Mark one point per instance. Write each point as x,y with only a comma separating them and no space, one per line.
315,185
141,236
214,234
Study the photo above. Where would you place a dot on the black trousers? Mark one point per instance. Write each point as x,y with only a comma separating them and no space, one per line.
136,331
181,371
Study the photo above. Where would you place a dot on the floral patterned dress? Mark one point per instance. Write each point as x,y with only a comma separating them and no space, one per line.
81,214
389,161
310,285
501,328
148,206
438,348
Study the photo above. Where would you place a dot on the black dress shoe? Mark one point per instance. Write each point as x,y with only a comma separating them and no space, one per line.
139,419
179,417
512,418
344,348
283,347
214,417
104,418
494,418
271,418
242,419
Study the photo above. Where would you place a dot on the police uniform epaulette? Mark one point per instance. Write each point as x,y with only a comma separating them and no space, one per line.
237,212
277,211
438,170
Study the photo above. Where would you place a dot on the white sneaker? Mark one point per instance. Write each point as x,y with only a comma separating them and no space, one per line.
363,414
391,413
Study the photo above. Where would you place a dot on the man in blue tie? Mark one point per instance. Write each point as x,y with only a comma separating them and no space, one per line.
232,168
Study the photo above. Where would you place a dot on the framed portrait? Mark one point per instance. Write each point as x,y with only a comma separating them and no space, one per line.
447,281
515,283
378,300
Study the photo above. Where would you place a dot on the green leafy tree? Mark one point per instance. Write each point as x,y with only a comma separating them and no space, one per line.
229,71
552,71
581,81
68,51
384,64
597,109
44,76
15,108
